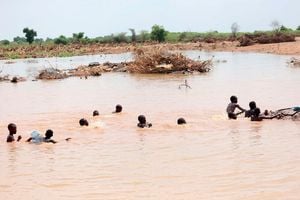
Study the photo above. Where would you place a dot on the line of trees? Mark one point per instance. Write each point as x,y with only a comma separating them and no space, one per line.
157,33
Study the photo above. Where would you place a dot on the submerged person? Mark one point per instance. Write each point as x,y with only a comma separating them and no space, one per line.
83,122
119,109
95,113
232,106
252,106
12,128
37,138
143,122
258,117
181,121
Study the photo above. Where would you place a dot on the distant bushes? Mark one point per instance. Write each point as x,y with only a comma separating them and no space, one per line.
158,33
265,38
61,40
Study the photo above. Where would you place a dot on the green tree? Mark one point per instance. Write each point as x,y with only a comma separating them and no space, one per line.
61,40
298,28
78,37
29,34
119,38
158,33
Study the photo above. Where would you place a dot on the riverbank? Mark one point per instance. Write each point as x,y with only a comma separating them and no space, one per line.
41,51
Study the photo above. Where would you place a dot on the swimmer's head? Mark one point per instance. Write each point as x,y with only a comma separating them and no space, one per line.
252,105
266,112
12,128
142,119
49,133
233,99
256,112
95,113
118,108
14,80
83,122
181,121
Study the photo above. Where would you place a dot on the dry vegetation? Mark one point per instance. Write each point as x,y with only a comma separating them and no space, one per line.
264,38
154,60
157,60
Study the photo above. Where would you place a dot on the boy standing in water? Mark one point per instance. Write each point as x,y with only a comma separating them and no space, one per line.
232,106
12,128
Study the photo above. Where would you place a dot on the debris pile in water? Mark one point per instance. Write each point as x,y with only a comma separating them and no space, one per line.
96,69
52,73
162,61
295,62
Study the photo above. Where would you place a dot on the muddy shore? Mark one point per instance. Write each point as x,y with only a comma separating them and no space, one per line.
40,51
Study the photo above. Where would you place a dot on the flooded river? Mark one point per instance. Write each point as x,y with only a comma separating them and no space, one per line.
209,158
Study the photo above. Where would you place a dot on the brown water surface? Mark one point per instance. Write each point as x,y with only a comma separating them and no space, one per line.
209,158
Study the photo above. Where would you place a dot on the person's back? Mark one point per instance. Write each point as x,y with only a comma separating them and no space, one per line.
232,106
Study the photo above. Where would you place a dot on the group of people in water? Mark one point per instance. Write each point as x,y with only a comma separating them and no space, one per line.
37,138
253,113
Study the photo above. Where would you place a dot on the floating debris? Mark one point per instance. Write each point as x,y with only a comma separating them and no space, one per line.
9,62
161,61
4,78
294,61
52,73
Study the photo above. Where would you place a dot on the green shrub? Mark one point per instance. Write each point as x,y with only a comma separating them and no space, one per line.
158,33
4,42
61,40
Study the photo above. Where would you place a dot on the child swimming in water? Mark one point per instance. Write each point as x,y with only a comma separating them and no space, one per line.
95,113
181,121
258,117
232,106
142,122
250,112
83,122
37,138
119,109
12,128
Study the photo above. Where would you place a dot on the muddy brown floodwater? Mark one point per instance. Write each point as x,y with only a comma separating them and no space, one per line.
209,158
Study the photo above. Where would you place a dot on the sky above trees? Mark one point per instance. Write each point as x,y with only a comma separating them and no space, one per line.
103,17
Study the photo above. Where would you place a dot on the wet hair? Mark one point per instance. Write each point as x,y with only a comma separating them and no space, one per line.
181,121
11,126
49,133
119,108
233,99
256,112
252,105
95,113
142,119
83,122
